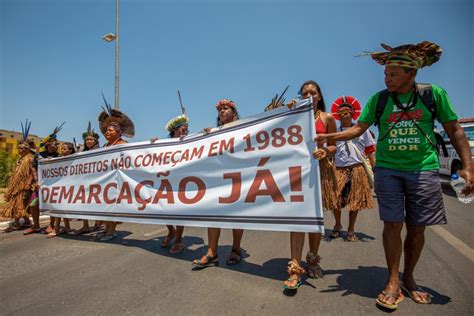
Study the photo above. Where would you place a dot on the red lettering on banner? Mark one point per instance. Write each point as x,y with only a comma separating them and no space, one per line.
226,146
54,193
108,186
234,196
138,198
94,191
164,186
125,194
182,190
80,195
45,194
66,194
272,190
212,148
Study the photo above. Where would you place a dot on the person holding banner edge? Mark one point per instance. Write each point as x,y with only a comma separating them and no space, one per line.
177,128
227,114
324,123
113,124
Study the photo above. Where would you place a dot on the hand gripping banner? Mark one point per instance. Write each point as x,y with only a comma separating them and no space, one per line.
257,173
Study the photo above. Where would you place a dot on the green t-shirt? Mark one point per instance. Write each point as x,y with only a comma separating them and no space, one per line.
406,148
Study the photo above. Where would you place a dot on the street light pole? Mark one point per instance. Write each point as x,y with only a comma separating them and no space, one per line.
117,56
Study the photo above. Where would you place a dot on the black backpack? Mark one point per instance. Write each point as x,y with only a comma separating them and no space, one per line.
425,92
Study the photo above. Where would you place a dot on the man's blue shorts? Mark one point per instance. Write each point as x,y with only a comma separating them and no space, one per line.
414,197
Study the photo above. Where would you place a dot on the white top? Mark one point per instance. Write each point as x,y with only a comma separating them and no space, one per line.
345,154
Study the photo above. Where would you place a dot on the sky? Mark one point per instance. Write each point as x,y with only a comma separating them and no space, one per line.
54,64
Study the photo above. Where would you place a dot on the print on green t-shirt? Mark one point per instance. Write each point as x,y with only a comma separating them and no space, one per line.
405,148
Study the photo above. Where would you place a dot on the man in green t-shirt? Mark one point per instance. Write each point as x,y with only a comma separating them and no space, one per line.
406,178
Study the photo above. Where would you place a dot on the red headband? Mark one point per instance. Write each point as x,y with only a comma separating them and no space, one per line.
347,101
225,102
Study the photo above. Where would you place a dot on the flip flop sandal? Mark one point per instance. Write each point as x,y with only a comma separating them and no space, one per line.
32,231
399,298
51,234
291,280
198,264
80,232
417,293
107,237
177,248
166,242
335,234
235,257
352,238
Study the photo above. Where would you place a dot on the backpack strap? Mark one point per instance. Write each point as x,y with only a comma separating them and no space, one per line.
381,103
425,91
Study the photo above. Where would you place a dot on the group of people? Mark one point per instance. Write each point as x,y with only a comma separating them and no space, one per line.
405,164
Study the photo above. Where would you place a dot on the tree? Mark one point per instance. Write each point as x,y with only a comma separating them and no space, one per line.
6,165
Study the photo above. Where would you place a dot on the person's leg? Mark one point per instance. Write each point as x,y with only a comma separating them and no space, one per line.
178,245
351,228
179,235
35,214
51,226
390,190
294,265
312,257
171,234
392,245
67,224
235,255
213,235
336,232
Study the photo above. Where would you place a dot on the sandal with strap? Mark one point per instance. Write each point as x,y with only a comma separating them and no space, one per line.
177,248
235,257
314,269
385,296
352,237
166,241
336,232
32,230
204,262
417,294
295,271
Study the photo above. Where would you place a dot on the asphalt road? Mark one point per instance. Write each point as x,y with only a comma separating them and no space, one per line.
132,275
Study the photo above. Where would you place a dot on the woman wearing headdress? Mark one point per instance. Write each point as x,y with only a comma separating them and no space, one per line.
177,128
91,142
325,123
227,116
66,149
48,149
353,186
114,124
20,184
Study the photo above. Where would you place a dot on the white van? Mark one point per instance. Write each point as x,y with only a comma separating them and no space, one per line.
449,160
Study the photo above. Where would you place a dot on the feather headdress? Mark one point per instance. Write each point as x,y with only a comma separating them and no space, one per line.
51,137
177,122
414,56
110,116
277,101
90,132
25,132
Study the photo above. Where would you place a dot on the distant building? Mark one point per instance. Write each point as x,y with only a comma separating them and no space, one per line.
9,141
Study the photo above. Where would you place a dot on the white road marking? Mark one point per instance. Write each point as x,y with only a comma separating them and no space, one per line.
155,232
457,243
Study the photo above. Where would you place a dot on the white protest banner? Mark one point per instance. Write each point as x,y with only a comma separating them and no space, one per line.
256,173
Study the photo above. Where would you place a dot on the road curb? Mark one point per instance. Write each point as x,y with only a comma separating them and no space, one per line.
5,224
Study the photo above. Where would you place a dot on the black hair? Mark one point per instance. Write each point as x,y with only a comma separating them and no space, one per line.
321,104
70,146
